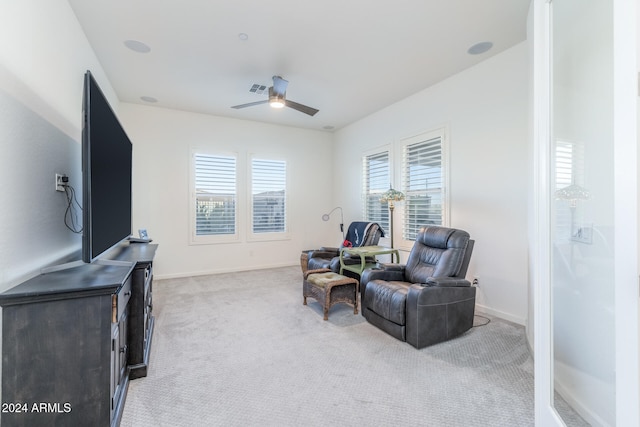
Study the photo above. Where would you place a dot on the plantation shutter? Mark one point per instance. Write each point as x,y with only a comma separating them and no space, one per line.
268,183
569,169
215,189
376,181
423,182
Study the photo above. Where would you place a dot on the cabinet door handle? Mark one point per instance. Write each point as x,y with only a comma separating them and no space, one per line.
126,294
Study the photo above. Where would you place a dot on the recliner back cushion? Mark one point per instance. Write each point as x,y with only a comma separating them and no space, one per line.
434,236
437,252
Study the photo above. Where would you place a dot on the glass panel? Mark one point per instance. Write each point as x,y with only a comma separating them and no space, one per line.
423,176
215,191
582,212
269,185
376,181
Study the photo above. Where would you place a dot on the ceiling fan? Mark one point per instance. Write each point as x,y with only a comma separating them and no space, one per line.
277,98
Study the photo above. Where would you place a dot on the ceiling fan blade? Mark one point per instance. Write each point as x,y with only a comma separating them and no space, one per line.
250,104
302,108
279,85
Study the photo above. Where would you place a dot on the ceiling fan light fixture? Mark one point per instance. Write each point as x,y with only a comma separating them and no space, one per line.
276,103
278,98
275,100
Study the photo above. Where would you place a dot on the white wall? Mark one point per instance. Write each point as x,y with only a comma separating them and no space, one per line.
485,110
162,143
531,205
43,56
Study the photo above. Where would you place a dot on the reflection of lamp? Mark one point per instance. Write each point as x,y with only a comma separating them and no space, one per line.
573,193
326,217
390,196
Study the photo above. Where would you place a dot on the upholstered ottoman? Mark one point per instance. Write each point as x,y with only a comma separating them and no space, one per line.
330,288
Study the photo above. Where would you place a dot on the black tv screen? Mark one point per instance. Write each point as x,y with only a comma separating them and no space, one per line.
106,175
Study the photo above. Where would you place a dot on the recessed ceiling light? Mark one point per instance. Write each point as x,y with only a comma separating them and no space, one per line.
150,99
137,46
479,48
243,36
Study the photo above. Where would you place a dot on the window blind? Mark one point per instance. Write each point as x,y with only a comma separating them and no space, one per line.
269,184
376,177
215,194
569,169
423,182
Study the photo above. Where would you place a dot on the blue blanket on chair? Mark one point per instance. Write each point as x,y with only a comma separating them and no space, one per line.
357,232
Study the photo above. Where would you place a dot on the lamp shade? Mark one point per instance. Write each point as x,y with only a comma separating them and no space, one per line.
391,195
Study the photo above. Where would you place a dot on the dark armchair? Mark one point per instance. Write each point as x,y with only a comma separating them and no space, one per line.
359,233
428,300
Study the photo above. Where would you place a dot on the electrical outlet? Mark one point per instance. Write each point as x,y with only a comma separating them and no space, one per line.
476,281
60,181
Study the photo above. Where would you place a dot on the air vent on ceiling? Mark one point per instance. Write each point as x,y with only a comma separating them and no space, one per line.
258,89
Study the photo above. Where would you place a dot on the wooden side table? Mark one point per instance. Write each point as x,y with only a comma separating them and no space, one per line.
363,252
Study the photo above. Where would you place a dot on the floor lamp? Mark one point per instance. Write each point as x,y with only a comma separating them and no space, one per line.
391,196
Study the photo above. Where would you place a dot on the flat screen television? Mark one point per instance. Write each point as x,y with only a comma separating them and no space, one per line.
106,175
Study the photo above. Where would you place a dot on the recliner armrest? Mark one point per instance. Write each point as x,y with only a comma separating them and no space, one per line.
326,253
394,273
388,266
330,249
447,282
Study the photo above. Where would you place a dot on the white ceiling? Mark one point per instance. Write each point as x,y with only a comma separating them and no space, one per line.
347,58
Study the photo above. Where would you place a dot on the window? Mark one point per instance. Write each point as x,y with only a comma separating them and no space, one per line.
424,183
377,178
268,196
215,195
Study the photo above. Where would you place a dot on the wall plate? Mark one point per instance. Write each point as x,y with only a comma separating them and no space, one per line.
59,182
582,233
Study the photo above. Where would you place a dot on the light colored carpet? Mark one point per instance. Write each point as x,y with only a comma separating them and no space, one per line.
241,350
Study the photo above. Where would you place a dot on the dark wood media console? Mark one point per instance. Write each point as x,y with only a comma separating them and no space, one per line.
72,339
141,320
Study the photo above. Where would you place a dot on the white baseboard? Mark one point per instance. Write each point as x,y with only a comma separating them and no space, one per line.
501,314
222,270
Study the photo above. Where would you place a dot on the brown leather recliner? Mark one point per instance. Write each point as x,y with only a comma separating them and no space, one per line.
428,300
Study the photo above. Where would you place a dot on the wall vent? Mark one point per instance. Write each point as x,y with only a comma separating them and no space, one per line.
258,89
